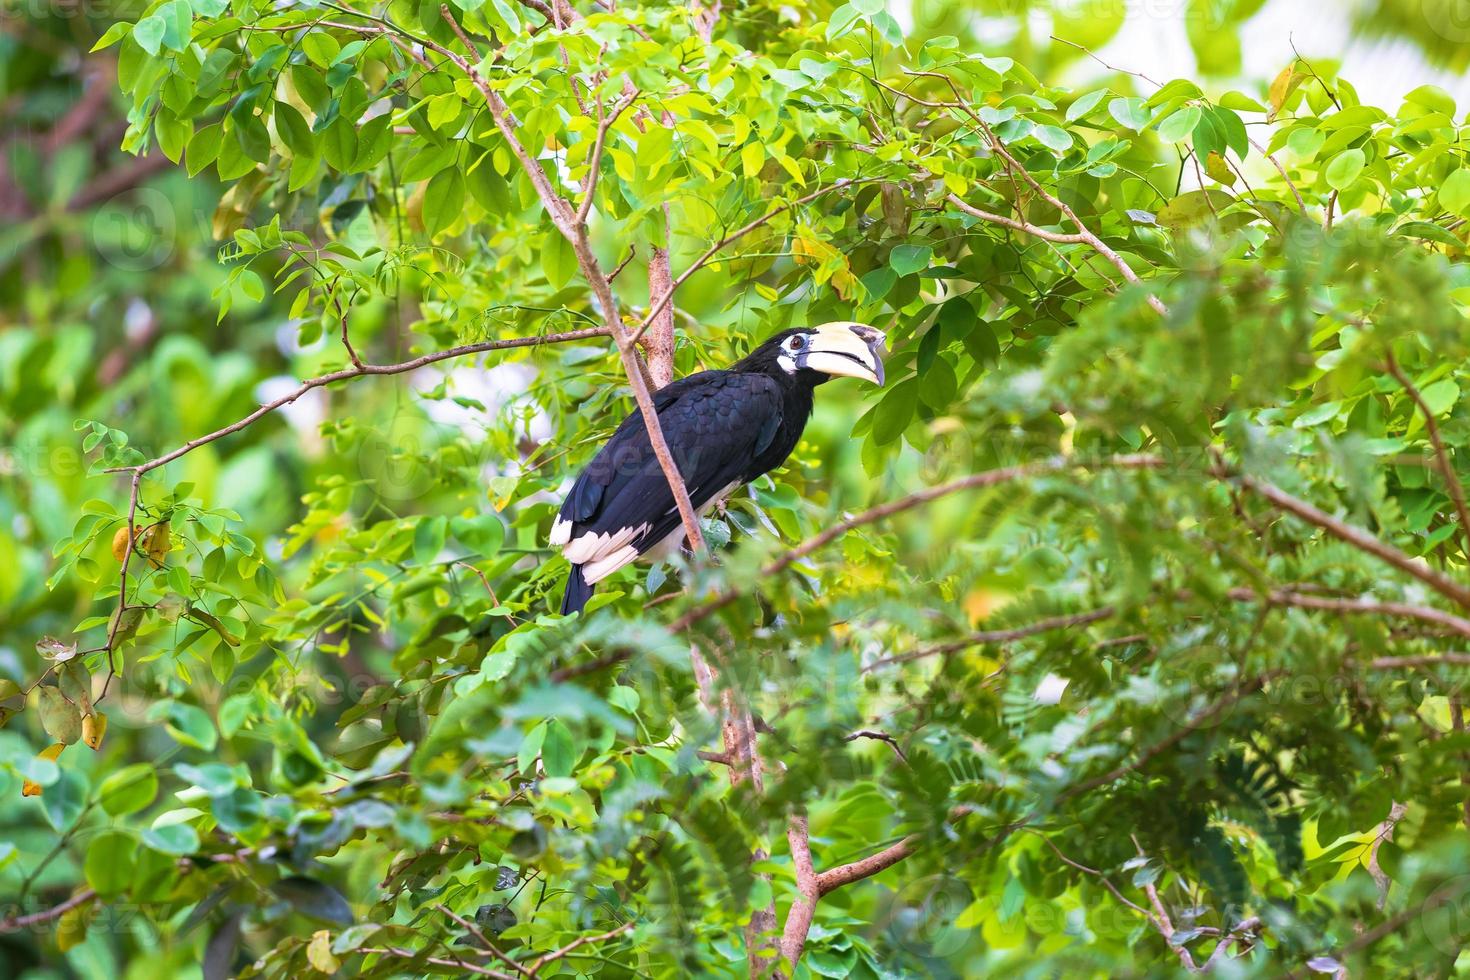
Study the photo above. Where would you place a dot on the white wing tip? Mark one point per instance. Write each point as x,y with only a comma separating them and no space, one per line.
596,571
561,532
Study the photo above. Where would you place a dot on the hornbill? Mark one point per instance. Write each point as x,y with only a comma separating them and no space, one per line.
723,429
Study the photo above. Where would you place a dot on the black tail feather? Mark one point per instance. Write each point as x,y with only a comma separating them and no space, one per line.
577,593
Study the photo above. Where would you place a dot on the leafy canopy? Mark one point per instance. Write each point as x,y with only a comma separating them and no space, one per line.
1139,664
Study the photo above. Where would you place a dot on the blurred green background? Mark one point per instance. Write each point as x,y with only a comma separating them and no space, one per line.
109,276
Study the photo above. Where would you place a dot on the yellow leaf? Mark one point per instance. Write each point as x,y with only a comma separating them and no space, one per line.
94,727
319,952
71,928
120,543
1218,170
51,753
156,542
791,168
1282,87
752,158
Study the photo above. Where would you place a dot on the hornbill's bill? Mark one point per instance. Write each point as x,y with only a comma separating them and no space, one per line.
723,428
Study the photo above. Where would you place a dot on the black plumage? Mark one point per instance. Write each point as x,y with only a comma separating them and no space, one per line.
723,428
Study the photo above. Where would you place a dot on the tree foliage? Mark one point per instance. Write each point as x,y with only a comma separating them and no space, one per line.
1114,635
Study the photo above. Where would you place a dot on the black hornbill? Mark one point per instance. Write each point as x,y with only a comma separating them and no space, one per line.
723,428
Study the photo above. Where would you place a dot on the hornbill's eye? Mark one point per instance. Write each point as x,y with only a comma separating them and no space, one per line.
796,343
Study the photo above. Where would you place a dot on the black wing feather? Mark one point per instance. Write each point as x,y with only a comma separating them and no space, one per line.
716,423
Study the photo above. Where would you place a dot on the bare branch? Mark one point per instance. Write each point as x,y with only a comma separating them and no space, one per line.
408,954
987,478
605,122
483,940
1012,223
358,371
1301,205
799,918
19,922
878,736
998,636
1370,607
846,874
537,965
1361,540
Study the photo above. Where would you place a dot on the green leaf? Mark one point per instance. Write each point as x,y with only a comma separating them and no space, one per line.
63,801
1179,124
1454,193
112,35
428,538
1344,169
315,899
558,259
907,259
1082,105
238,810
187,724
321,47
294,131
111,862
1054,138
149,32
531,749
61,718
443,200
1131,113
558,753
129,790
339,146
177,838
177,17
895,412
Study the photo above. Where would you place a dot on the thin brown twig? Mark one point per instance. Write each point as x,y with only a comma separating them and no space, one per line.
657,305
575,944
408,954
999,148
998,636
1301,205
19,922
1360,539
1441,453
484,940
974,481
605,121
878,736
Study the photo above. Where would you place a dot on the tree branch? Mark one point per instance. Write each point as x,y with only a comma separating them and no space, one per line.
846,874
574,230
998,636
804,908
1012,223
656,306
987,478
576,944
19,922
1447,468
1361,540
358,371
